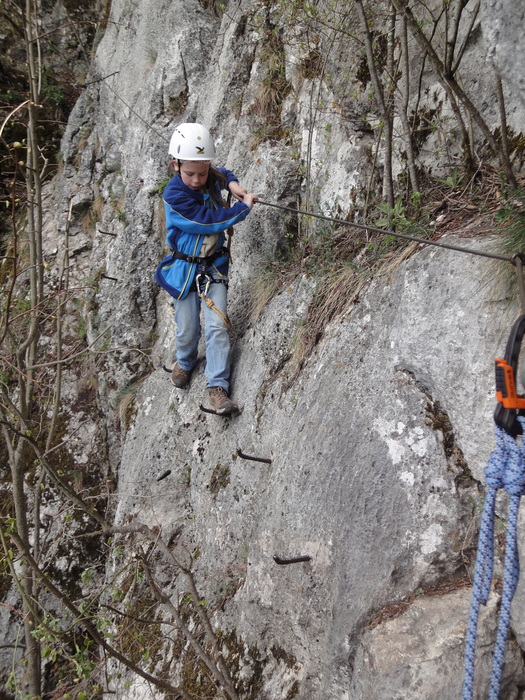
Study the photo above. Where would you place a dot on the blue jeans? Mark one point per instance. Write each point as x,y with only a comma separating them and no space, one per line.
188,333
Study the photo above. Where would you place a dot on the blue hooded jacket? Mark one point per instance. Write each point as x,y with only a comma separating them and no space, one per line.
190,217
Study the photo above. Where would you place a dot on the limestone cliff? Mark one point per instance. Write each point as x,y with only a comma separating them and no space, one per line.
373,447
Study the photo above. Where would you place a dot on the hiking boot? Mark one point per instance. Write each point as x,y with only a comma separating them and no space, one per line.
221,403
180,377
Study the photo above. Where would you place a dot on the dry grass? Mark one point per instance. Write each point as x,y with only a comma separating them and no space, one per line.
274,88
126,407
267,284
341,260
390,612
92,215
335,292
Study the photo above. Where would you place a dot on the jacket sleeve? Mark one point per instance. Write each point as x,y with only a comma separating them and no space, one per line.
192,216
230,177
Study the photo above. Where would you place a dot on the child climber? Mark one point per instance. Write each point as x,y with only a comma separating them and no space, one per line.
196,273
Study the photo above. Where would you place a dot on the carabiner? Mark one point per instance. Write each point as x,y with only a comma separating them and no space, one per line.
203,284
510,403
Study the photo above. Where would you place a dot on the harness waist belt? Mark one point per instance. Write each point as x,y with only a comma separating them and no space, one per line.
193,287
177,255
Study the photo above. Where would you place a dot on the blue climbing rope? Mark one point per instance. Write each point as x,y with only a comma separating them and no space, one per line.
505,469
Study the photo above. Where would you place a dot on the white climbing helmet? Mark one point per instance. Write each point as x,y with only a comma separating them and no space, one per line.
192,142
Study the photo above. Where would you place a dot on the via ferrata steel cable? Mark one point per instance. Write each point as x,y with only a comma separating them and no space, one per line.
387,232
366,227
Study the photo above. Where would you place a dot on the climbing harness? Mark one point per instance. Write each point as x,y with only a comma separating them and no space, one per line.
194,259
505,469
203,279
202,286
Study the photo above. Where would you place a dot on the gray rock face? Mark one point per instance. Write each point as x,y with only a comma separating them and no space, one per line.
377,446
502,25
419,654
366,477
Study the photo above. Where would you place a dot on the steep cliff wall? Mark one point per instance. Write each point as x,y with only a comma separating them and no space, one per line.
374,451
